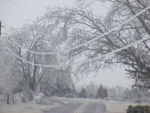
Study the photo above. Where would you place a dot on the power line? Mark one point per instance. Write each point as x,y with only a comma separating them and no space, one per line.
89,60
90,41
35,10
29,8
76,63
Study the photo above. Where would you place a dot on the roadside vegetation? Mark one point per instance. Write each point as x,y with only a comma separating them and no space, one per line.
62,28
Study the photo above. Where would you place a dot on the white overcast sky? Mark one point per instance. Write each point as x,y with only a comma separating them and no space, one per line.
13,15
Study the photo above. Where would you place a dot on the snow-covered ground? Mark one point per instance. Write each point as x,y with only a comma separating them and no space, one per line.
26,108
32,107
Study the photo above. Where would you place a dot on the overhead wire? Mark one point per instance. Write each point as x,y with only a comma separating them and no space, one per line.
29,8
84,61
79,62
90,41
32,9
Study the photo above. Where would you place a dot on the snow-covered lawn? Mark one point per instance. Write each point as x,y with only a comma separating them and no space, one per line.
26,108
116,107
30,107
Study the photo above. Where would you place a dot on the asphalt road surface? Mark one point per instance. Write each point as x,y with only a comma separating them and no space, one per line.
94,108
80,108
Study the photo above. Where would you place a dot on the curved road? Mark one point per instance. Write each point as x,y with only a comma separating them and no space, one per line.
80,108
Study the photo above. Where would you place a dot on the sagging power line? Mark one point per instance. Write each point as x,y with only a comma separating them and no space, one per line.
80,62
88,42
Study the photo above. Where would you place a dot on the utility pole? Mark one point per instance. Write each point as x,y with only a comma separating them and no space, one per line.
0,27
0,33
8,100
